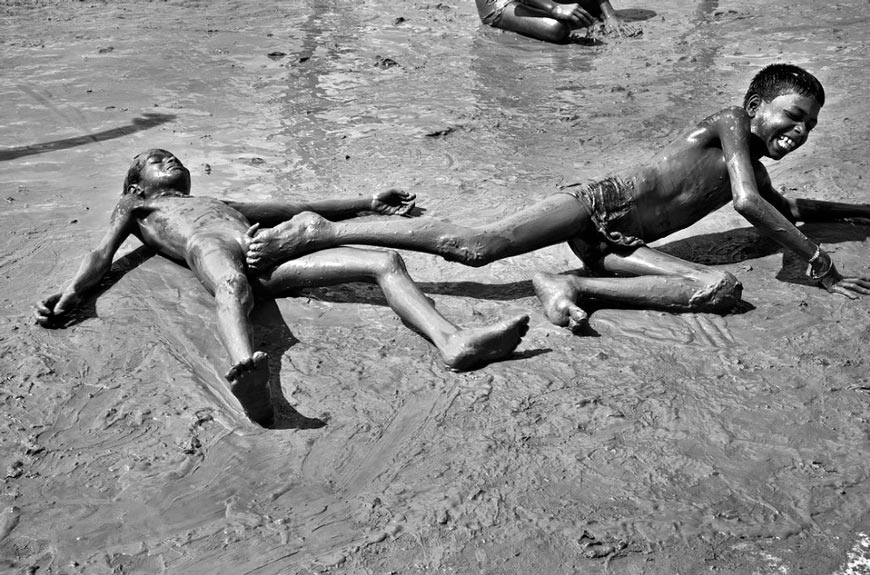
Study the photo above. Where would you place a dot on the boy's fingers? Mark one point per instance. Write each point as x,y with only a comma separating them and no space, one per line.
843,291
252,230
859,285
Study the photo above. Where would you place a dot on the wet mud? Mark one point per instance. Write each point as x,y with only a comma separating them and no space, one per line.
654,443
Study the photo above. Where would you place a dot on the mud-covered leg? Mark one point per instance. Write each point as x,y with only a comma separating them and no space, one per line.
460,348
219,266
249,383
560,296
553,220
660,281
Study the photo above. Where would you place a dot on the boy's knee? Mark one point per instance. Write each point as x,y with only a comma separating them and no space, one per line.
555,32
470,252
235,284
390,262
720,294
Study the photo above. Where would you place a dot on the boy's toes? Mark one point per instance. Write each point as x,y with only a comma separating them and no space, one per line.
236,371
578,319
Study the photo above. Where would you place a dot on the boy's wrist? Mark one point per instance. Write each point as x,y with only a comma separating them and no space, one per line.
821,268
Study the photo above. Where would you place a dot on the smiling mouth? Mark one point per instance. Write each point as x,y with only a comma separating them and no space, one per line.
786,144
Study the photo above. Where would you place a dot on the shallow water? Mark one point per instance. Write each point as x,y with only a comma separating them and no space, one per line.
668,443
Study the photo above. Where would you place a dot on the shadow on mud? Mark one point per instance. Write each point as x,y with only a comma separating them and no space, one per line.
742,244
271,335
143,122
635,14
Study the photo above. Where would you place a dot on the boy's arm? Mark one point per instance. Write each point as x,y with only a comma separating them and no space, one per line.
732,129
268,214
731,126
93,267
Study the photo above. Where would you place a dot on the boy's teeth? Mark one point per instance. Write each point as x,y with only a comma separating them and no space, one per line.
786,142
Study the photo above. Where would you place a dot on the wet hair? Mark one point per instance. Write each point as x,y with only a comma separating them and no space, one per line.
134,172
778,79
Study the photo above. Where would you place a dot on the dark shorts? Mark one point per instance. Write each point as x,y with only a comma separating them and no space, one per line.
611,207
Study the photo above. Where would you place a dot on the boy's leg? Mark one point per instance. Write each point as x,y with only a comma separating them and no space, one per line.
534,23
460,348
660,281
550,221
219,266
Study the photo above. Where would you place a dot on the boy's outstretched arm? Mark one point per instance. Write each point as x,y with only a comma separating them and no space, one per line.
92,269
269,214
732,128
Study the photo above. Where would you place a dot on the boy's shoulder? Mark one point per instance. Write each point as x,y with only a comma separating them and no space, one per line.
732,120
730,116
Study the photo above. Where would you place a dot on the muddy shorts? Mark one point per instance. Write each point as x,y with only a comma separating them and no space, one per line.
490,11
611,207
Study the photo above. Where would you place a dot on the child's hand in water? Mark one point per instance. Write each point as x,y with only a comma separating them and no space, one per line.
53,308
393,203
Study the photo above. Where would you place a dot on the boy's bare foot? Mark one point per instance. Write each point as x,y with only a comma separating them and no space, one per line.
558,294
295,237
473,347
249,382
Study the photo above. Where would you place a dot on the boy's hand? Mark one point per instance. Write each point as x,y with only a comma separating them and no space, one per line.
850,287
393,203
822,269
572,13
52,308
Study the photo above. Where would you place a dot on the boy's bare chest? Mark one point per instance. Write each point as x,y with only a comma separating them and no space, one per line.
187,212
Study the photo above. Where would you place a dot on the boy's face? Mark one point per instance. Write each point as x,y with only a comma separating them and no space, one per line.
163,171
784,123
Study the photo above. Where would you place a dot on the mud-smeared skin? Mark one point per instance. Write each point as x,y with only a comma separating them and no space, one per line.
673,443
560,301
295,237
473,347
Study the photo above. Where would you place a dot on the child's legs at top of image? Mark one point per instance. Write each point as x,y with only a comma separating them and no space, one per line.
490,11
522,19
517,17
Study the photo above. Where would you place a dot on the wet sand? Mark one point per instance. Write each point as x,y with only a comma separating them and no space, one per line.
656,443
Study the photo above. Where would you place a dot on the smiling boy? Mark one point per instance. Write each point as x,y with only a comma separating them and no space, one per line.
211,236
608,223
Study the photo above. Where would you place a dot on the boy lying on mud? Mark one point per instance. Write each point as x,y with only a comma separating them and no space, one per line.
608,223
211,236
551,20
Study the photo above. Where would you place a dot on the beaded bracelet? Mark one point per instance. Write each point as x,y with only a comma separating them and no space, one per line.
827,265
